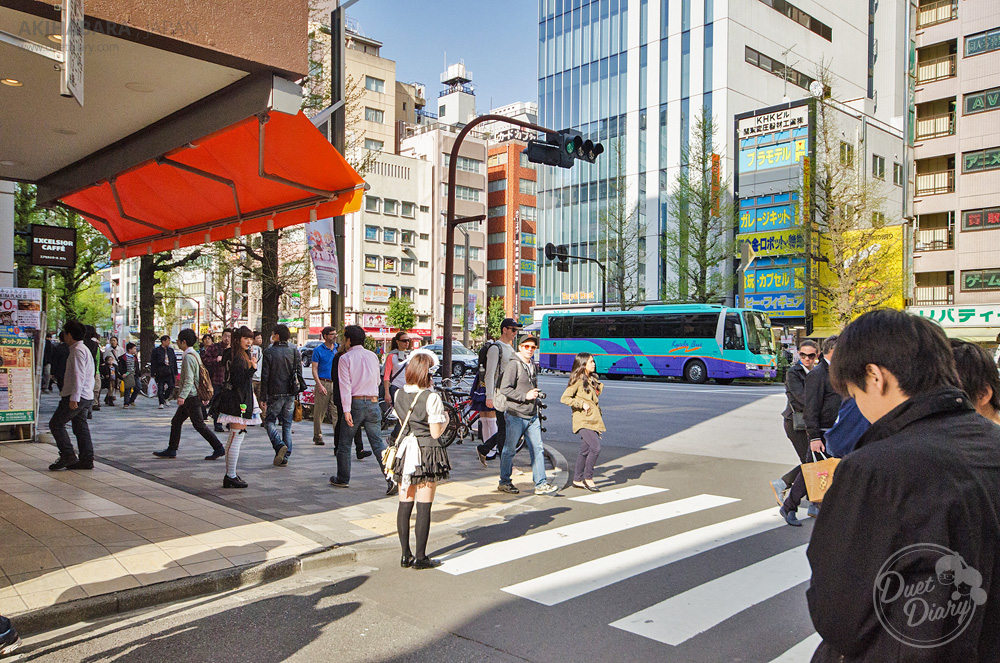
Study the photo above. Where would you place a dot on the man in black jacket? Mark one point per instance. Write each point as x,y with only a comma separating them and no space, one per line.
904,555
163,362
822,403
280,380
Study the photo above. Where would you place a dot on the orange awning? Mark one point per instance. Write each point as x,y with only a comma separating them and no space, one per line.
262,173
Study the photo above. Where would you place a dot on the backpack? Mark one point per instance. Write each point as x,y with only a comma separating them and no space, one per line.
205,389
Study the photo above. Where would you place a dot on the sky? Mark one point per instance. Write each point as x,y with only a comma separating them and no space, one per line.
497,40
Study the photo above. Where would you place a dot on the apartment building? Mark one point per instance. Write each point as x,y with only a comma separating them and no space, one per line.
956,200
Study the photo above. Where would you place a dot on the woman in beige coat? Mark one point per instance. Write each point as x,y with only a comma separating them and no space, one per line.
581,395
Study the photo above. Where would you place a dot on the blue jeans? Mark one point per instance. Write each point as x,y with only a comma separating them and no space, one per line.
532,431
367,415
280,408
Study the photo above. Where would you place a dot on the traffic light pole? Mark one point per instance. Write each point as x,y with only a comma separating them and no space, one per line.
452,223
604,272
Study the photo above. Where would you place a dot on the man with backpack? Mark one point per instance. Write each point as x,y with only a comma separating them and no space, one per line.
280,384
493,358
193,390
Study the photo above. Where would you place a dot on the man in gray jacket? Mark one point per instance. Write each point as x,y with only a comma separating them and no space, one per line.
188,402
519,385
498,355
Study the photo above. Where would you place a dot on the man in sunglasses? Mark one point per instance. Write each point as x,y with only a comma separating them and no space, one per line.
794,414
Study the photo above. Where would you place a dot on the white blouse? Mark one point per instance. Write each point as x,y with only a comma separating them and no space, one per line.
435,408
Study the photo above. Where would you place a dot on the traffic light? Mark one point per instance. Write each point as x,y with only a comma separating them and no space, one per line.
563,148
561,252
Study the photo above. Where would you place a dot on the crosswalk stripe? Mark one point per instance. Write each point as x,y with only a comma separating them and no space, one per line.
802,652
618,495
593,575
531,544
695,611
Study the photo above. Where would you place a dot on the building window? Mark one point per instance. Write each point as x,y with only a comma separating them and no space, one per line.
373,145
460,252
528,213
495,291
372,204
846,155
375,84
982,42
406,293
371,233
496,238
524,161
423,291
497,160
389,235
425,236
793,76
494,265
878,166
406,266
897,174
980,102
441,110
371,263
193,288
496,185
980,219
423,264
466,193
981,279
459,281
980,160
389,264
424,209
497,210
465,163
389,207
878,219
406,209
406,237
474,253
527,187
800,17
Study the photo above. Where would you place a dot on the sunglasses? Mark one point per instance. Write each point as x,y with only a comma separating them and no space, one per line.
529,345
805,355
405,340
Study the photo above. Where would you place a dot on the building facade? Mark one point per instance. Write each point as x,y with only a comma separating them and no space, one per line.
957,153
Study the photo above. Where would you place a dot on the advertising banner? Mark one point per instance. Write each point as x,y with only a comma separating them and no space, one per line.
21,307
761,219
773,243
782,304
960,316
786,153
775,279
323,250
376,293
17,392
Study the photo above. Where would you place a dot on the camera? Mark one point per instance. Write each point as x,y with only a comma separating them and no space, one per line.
541,395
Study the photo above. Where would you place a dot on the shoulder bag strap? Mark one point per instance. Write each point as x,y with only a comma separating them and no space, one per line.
406,422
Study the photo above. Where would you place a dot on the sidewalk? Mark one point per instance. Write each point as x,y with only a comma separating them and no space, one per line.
136,520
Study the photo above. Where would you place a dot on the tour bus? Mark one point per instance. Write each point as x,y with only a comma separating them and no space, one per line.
693,341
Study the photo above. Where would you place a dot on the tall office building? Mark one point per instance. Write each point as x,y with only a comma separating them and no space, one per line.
634,74
957,150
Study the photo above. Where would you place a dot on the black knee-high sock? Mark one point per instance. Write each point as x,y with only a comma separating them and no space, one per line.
423,528
403,526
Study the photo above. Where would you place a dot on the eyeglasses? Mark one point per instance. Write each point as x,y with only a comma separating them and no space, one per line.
530,346
405,340
806,355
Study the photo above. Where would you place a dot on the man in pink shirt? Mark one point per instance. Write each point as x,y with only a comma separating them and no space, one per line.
358,373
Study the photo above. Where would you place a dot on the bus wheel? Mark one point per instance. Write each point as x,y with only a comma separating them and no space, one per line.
696,372
724,380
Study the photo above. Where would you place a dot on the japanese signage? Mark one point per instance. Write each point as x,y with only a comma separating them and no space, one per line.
983,101
786,153
53,246
21,307
982,42
960,316
528,266
17,392
761,219
376,293
781,120
981,279
785,304
514,133
527,292
72,42
323,250
775,279
981,219
773,243
973,162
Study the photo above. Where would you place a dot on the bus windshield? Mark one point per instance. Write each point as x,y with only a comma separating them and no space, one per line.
759,339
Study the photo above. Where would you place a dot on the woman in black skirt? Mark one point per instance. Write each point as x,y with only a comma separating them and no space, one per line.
236,403
420,462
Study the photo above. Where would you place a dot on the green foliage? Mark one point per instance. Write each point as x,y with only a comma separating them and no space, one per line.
495,314
371,344
91,304
401,315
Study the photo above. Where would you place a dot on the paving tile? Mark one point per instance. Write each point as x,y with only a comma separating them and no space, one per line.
97,571
11,605
188,555
39,581
207,566
73,555
40,559
46,598
172,573
147,562
115,584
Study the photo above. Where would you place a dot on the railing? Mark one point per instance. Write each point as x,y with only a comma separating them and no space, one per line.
935,126
936,12
936,69
934,239
929,184
423,113
934,295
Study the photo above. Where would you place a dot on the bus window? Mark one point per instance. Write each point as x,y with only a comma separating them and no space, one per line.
700,325
663,326
733,334
560,326
759,339
585,326
622,326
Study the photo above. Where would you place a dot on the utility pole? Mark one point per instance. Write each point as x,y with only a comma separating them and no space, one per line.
465,291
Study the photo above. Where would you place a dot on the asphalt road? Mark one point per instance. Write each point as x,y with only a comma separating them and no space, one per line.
681,558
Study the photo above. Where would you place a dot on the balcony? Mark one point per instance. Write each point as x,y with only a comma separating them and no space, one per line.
933,13
935,126
934,239
934,295
942,181
936,69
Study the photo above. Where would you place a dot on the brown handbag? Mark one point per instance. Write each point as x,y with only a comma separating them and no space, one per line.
297,415
818,476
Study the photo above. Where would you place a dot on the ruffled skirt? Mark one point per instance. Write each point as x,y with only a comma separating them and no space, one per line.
255,420
434,465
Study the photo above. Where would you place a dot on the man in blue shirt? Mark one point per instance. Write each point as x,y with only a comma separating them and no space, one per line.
322,367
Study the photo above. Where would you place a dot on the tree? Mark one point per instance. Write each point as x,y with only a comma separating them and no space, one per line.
479,328
401,315
495,313
844,223
150,267
619,235
697,248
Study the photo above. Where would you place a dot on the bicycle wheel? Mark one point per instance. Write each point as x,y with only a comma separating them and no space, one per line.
451,430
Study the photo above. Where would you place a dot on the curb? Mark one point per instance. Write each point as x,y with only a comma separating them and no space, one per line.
215,582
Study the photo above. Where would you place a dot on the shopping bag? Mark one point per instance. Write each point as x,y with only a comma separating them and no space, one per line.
297,414
818,476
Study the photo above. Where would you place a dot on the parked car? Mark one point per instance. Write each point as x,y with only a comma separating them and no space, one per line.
463,360
306,351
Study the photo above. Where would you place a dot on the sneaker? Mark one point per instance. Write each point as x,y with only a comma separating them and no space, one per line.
161,406
62,463
166,453
318,441
81,465
364,453
9,641
337,484
279,455
813,511
780,488
284,461
508,488
482,458
125,407
790,517
392,489
546,489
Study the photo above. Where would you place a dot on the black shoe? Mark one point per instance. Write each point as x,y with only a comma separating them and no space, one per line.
508,488
219,428
62,463
96,408
318,441
426,563
406,561
166,453
393,489
591,488
279,455
81,465
229,482
284,461
364,453
216,455
338,484
90,416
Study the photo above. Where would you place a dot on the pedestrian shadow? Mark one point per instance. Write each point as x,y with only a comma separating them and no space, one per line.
512,528
617,474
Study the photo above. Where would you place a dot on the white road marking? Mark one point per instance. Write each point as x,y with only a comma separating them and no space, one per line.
684,616
802,652
559,537
583,578
618,494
